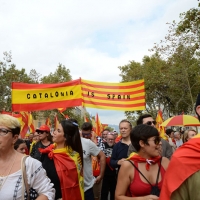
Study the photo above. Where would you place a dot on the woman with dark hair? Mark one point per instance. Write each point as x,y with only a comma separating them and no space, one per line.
12,174
63,161
20,146
142,175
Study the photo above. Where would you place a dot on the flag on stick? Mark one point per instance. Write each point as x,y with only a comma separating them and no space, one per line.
159,121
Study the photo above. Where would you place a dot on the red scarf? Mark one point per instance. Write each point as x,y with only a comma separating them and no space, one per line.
67,173
135,157
187,157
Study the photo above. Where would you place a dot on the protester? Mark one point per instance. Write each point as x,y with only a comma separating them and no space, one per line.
109,179
120,150
63,161
184,184
20,146
188,134
11,186
143,170
45,139
90,149
115,134
170,138
166,150
178,139
35,140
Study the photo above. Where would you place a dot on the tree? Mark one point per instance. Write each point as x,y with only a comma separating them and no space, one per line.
9,74
180,50
62,74
171,73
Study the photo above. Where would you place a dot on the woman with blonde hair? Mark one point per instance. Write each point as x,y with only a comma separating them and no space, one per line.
12,176
188,134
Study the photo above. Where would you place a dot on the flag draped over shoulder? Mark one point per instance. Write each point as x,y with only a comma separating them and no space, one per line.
114,96
159,121
30,97
186,157
69,169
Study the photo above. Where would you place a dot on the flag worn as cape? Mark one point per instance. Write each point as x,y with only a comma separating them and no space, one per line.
187,158
69,169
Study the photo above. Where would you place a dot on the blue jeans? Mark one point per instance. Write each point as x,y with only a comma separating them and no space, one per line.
89,195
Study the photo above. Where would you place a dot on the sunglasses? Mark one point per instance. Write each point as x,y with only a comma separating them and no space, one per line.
156,140
4,131
40,132
86,134
150,123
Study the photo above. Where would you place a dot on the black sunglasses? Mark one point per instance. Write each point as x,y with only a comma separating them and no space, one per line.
156,140
86,134
150,123
40,132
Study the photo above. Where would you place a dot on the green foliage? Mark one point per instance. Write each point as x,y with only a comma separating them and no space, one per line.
9,74
172,73
59,76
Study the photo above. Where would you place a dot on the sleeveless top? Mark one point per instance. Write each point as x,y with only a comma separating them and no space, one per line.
139,188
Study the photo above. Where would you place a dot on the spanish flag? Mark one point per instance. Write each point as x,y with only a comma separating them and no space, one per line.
159,121
114,96
187,158
69,169
30,97
99,127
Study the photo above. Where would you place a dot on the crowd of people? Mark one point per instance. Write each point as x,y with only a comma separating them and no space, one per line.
73,163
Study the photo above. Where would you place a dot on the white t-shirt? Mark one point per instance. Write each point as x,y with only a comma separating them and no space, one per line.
89,149
36,177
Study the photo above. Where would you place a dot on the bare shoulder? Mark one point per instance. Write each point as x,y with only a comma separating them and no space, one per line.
165,162
127,168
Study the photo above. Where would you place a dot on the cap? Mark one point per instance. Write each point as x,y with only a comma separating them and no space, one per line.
43,128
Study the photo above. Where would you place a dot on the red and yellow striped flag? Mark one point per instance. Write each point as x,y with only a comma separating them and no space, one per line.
29,97
48,122
99,127
159,121
56,122
114,96
30,123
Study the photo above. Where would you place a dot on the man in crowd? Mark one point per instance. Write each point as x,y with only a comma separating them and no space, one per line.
166,148
90,149
101,140
182,178
109,179
120,150
178,140
45,140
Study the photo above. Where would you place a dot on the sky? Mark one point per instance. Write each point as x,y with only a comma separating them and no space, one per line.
91,38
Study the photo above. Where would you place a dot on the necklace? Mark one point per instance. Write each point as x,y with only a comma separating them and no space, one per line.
3,179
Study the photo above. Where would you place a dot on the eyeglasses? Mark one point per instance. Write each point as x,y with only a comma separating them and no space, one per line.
156,140
110,139
86,134
150,123
40,132
4,131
